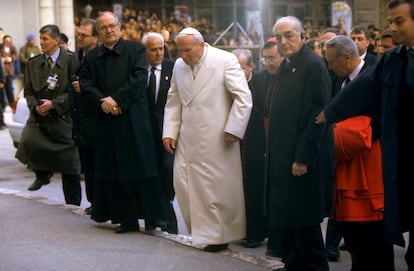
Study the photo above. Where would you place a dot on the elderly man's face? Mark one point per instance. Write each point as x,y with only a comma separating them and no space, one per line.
155,51
109,30
288,38
189,50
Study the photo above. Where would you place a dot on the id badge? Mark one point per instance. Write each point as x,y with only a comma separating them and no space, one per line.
52,82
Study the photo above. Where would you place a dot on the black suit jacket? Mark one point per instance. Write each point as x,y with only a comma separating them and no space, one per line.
371,59
157,109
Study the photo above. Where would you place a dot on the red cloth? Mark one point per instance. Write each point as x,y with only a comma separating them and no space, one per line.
359,191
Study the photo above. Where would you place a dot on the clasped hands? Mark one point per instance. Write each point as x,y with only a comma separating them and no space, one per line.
44,108
110,106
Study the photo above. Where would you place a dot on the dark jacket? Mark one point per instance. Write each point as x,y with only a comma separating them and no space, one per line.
46,142
383,89
124,143
83,112
302,90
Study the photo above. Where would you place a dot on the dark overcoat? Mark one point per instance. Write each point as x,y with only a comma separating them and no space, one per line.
126,183
253,150
83,112
124,142
302,90
384,90
46,142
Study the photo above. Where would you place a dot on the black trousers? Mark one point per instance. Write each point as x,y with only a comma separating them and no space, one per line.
2,123
368,247
333,233
70,184
87,164
304,249
9,90
166,180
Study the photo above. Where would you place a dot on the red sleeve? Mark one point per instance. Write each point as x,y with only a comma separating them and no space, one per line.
352,137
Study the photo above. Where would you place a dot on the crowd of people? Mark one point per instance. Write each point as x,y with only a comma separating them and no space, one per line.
149,111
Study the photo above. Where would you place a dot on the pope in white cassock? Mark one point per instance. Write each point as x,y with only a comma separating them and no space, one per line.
206,114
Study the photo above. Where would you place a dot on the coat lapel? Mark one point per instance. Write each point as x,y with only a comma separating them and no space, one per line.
195,86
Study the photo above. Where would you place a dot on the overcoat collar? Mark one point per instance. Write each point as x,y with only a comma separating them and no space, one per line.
118,48
60,62
193,86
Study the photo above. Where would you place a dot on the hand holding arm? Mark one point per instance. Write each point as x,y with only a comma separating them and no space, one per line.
320,118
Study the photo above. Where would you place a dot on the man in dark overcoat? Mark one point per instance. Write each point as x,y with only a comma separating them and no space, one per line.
252,152
390,89
297,154
46,144
160,69
113,76
83,114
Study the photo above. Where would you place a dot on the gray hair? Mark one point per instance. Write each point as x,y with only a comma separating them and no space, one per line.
342,45
152,35
244,52
51,29
292,19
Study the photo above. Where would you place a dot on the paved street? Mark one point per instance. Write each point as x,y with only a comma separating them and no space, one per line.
39,232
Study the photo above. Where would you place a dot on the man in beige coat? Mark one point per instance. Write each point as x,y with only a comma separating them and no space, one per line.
206,114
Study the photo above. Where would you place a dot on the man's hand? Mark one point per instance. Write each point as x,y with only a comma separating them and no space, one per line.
299,169
320,118
44,108
169,145
110,106
76,86
229,138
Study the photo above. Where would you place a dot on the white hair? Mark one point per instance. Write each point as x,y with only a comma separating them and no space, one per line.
152,35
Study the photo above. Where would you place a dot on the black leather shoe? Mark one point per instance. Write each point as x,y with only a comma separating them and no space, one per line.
332,254
216,248
252,244
150,225
88,211
38,183
170,227
127,227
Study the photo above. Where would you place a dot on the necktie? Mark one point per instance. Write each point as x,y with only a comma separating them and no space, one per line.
410,68
346,81
152,85
49,63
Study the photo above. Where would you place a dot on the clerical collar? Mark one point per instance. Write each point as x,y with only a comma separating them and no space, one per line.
203,56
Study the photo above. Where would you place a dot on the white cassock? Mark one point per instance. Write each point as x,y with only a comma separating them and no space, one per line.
207,171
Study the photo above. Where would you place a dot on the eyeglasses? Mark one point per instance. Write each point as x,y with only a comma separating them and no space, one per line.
267,59
83,35
108,27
